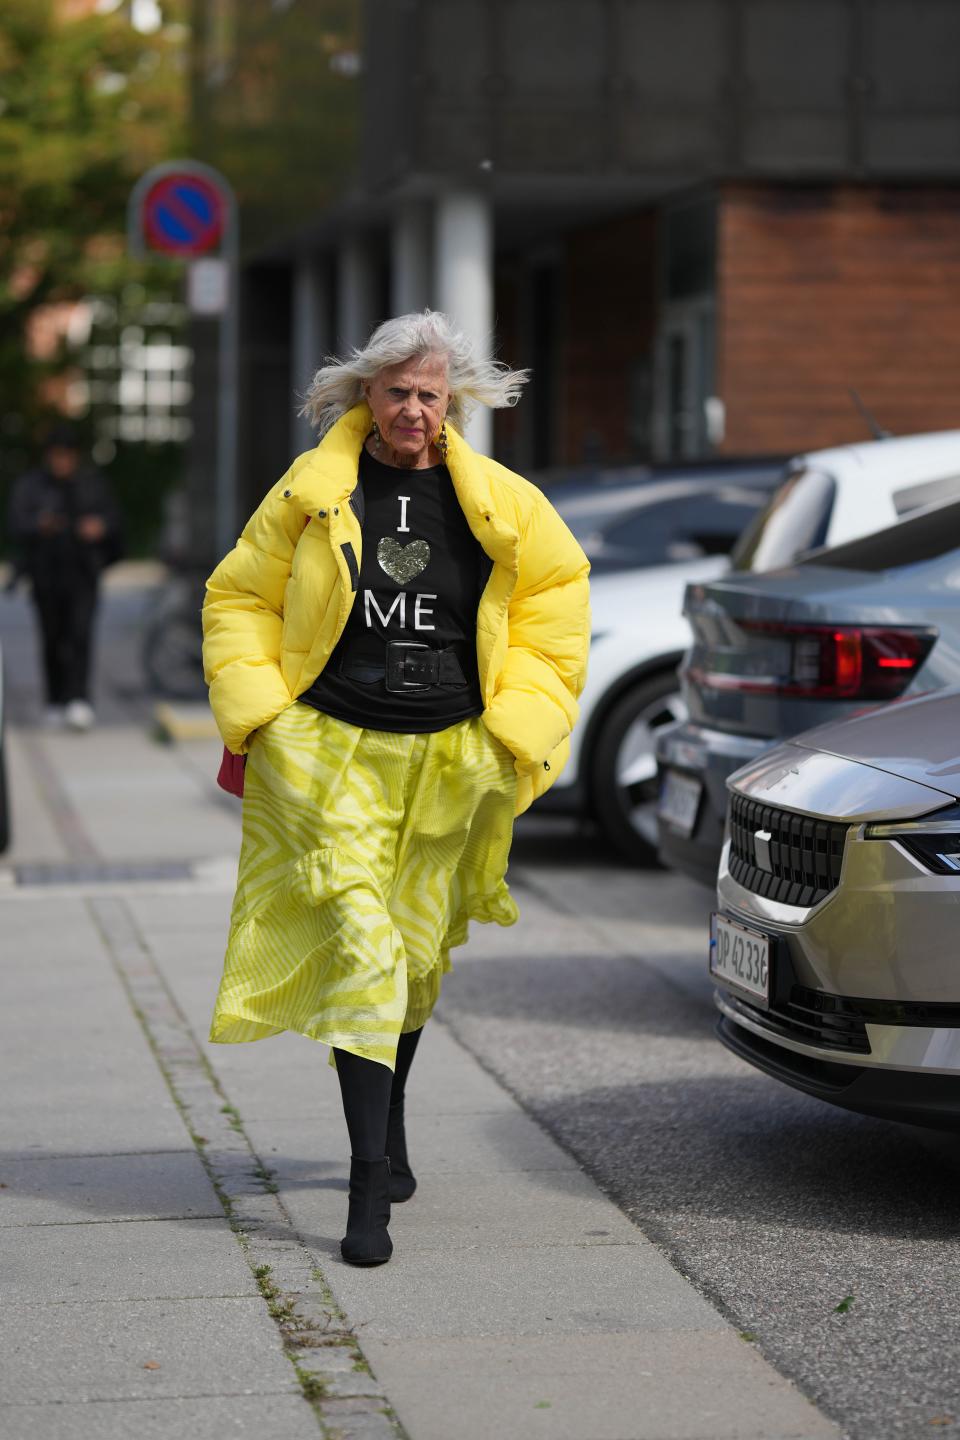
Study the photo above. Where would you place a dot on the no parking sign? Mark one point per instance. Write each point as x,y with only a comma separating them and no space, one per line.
183,214
183,209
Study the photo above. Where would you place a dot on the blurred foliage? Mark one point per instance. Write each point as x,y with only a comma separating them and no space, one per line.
277,106
87,103
142,477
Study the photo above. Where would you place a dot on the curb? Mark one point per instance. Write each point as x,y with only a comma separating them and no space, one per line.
185,722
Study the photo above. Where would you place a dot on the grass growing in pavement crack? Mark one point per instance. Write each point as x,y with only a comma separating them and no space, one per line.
313,1386
279,1306
233,1117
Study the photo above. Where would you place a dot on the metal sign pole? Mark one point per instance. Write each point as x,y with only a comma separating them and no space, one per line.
187,247
228,399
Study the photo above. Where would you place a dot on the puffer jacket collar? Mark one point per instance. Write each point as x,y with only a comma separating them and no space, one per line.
329,477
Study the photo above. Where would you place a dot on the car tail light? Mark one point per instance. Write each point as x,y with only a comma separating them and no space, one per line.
838,662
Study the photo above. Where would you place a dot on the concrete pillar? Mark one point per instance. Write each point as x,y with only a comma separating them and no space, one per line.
356,291
463,283
310,338
410,258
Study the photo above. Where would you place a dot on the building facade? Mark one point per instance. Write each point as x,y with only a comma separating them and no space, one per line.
702,223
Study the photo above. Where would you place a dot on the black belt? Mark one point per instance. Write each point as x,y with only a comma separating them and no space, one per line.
405,665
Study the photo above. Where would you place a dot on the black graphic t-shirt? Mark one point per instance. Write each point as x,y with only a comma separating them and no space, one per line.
420,577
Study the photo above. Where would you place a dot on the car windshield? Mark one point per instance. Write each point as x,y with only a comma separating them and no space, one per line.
681,528
796,519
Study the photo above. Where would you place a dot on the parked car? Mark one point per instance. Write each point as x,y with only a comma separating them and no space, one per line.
642,516
774,653
678,531
677,520
834,946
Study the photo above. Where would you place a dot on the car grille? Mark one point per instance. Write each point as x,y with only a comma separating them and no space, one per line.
805,855
807,1016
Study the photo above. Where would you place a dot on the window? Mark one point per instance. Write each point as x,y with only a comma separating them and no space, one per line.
929,492
795,519
685,527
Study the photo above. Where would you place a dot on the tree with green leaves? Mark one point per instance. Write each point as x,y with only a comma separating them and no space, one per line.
87,103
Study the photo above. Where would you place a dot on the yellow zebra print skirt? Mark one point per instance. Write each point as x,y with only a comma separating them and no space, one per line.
364,855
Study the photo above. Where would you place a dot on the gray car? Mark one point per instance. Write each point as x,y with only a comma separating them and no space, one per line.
776,653
834,948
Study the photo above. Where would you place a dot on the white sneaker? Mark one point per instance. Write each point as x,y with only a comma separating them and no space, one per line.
53,717
79,715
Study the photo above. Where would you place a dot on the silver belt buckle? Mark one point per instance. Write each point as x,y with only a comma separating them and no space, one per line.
395,678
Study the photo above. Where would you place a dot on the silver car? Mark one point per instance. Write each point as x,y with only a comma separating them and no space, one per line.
834,947
861,623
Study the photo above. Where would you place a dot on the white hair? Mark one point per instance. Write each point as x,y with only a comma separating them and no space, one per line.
473,380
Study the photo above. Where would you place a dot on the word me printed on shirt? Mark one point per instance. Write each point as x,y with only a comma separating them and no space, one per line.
402,563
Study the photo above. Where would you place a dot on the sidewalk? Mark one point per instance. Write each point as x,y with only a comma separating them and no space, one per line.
171,1211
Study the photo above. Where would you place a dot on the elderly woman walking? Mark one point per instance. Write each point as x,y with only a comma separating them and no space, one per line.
396,644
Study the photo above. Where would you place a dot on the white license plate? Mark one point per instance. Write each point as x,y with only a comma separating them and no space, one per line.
740,957
679,801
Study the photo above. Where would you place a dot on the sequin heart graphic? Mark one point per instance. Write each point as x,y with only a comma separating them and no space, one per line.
402,562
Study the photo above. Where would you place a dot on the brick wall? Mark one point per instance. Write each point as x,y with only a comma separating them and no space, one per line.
823,289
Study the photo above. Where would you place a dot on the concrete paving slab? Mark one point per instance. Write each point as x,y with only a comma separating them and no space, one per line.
451,1210
212,1417
481,1143
34,836
64,1190
524,1290
83,1351
129,1259
457,1211
612,1387
288,1074
209,911
441,1084
71,1118
51,941
114,778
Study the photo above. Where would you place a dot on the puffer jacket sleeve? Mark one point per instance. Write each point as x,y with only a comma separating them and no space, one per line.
545,670
243,622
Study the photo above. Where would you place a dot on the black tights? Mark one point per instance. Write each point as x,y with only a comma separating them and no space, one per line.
368,1089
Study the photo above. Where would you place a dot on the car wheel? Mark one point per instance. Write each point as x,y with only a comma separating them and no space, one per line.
173,658
624,771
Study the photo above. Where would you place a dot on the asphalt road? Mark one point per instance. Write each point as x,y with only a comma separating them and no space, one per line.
779,1208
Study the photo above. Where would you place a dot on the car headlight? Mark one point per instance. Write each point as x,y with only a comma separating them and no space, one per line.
935,842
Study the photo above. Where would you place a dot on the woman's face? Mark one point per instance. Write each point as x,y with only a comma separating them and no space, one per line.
409,402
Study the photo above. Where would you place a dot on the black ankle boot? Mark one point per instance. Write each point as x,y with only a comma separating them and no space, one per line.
402,1179
366,1241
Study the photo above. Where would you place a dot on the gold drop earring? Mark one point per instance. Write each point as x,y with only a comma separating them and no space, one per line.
377,437
441,441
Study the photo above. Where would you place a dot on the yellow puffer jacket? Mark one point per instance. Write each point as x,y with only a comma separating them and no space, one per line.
277,604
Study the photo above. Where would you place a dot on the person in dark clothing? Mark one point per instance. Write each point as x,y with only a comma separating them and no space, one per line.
64,526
